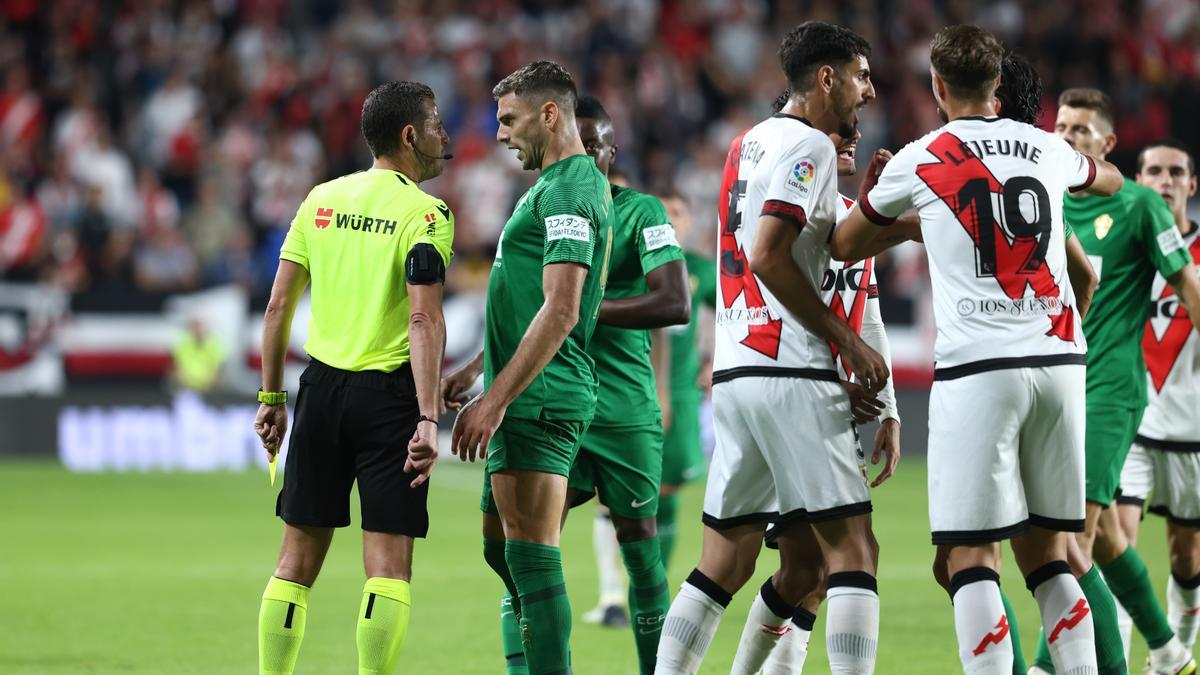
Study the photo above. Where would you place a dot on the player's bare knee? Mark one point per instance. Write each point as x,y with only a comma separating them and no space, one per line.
941,571
631,530
1184,543
796,580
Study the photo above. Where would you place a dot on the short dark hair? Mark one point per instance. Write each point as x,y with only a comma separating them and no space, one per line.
589,108
967,58
813,44
545,80
1091,99
1020,90
388,109
781,100
1174,144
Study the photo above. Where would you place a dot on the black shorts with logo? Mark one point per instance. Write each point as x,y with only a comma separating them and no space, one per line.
353,425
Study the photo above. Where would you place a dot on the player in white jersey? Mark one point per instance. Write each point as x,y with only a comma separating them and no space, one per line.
851,292
1006,410
1164,461
786,446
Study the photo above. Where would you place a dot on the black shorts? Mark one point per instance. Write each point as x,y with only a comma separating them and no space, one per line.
353,425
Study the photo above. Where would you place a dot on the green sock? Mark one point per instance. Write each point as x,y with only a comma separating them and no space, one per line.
510,638
1043,659
545,610
1130,583
281,626
668,507
649,598
1110,650
1014,634
493,554
382,624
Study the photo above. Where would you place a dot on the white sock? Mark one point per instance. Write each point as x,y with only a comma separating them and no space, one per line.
690,625
1125,624
613,580
1170,657
984,645
852,623
763,630
788,656
1067,618
1183,611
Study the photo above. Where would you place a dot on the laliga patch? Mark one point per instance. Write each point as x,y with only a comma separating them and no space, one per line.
1170,241
800,179
568,227
659,236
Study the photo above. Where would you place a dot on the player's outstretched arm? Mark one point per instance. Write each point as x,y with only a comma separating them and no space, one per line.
562,287
1083,278
856,238
1108,179
666,302
290,281
427,345
1186,284
771,261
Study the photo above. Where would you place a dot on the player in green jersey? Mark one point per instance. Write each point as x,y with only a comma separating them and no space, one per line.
683,456
1128,237
621,458
375,248
539,382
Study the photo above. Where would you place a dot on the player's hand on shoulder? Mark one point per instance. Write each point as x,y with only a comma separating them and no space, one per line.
863,404
271,426
866,364
476,424
887,448
422,452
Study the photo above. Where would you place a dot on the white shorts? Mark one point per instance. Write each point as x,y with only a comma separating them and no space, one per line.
1006,450
786,448
1170,479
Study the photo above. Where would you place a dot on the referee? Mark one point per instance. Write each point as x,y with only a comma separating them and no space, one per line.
375,248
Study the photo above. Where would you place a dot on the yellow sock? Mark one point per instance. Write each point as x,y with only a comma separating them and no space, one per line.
382,625
281,626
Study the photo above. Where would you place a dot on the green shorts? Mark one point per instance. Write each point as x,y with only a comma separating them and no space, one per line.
624,466
1110,432
547,446
683,457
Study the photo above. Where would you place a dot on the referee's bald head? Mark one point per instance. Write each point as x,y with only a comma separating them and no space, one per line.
388,109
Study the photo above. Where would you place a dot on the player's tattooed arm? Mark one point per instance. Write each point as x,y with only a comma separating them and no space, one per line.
456,385
562,287
290,281
1083,277
1186,285
772,262
666,302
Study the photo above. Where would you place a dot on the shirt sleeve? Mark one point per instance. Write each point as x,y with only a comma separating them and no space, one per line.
801,174
893,192
436,228
295,246
570,224
1080,169
1161,237
656,241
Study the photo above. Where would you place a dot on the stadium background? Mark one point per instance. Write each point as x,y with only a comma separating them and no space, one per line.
152,154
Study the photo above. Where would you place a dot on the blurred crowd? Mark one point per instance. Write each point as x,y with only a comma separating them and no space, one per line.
150,147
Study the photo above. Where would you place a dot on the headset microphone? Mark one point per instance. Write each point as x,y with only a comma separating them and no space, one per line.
427,155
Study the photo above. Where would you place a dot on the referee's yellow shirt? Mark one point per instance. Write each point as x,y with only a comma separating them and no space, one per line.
353,235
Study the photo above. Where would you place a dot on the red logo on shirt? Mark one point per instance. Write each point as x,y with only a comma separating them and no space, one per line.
322,219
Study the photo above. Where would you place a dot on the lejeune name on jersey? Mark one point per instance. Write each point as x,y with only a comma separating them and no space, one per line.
784,168
989,192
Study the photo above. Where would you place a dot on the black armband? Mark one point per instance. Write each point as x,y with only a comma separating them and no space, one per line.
424,265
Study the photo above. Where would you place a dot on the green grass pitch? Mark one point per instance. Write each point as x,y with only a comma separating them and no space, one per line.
162,573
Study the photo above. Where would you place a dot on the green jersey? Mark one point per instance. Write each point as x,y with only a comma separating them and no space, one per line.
685,353
566,217
353,235
1127,237
643,239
